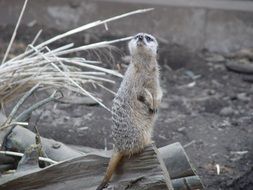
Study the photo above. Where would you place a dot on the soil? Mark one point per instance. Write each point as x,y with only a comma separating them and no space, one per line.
206,108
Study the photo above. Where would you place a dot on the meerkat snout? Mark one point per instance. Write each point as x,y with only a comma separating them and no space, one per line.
139,37
143,43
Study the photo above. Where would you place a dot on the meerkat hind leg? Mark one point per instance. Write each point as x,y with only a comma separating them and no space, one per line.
113,163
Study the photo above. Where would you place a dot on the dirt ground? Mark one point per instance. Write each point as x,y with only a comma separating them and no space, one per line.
206,108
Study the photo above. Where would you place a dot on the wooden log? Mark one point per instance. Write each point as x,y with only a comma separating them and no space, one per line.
21,138
173,155
187,183
142,171
176,161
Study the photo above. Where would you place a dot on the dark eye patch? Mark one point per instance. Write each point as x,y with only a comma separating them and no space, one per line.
136,37
148,39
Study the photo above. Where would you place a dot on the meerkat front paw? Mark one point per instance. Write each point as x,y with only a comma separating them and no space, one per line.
147,98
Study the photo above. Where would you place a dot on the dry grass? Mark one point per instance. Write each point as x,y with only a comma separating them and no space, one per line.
53,69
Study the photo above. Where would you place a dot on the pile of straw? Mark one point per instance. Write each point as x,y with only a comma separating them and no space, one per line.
52,68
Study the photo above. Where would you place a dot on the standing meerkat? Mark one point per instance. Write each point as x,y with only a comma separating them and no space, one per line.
135,106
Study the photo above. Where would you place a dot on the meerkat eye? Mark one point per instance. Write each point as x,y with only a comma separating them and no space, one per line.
148,39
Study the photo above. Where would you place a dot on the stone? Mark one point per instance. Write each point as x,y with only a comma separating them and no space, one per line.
226,111
243,97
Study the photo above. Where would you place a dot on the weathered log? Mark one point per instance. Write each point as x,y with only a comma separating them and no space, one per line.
174,156
167,152
187,183
142,171
176,161
21,138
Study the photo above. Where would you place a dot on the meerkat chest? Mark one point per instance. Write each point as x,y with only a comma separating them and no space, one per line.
148,81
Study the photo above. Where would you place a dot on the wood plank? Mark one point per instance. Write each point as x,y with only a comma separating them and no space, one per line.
142,171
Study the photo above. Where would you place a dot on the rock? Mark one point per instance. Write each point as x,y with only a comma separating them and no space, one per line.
215,58
211,92
226,111
243,97
83,128
164,105
181,129
191,74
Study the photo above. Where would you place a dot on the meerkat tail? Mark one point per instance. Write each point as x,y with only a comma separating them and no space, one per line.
114,161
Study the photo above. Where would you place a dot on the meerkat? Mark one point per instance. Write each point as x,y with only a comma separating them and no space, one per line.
136,103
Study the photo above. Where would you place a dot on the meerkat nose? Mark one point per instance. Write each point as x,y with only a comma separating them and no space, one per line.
140,37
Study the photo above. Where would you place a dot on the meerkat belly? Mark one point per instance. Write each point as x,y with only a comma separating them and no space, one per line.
132,127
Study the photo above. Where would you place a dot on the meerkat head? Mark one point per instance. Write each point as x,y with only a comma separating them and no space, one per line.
143,43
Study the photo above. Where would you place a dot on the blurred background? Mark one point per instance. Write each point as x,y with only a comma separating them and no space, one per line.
206,60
